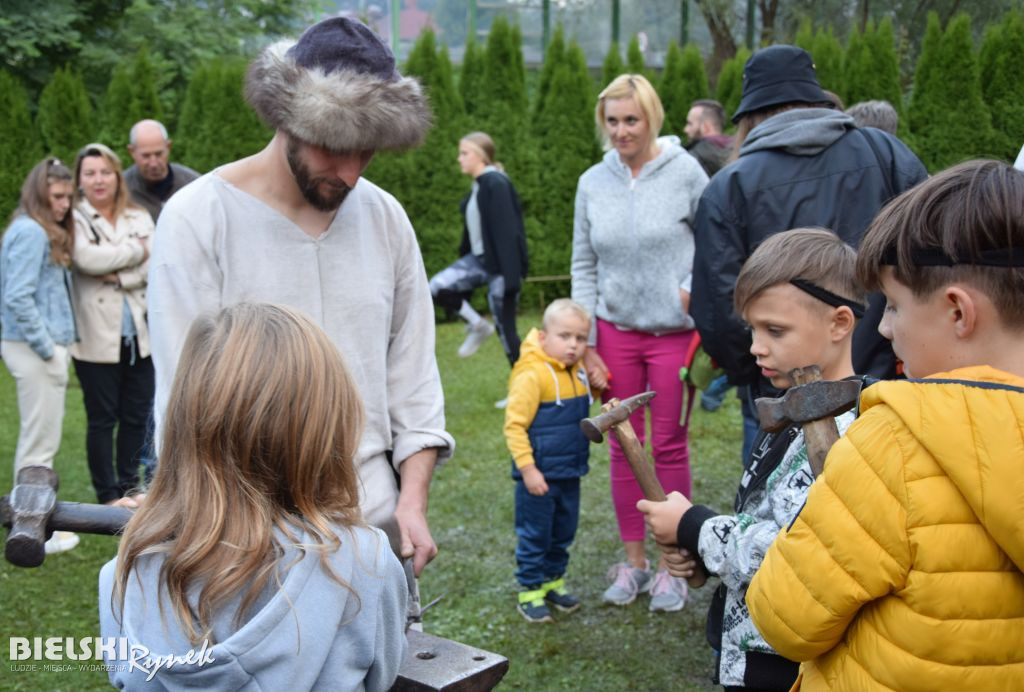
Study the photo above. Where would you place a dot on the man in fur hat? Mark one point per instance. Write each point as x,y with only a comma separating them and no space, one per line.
296,224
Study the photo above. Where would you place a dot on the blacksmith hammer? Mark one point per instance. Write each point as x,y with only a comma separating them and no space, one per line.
31,513
614,416
813,404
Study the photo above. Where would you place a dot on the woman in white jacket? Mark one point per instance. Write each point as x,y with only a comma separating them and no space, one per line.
112,357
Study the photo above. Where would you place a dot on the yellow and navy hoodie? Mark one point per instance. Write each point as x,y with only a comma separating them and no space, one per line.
546,402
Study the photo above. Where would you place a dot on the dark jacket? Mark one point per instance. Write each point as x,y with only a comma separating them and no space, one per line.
803,167
152,196
712,152
501,219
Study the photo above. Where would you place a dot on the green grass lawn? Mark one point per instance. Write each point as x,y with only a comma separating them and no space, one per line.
596,648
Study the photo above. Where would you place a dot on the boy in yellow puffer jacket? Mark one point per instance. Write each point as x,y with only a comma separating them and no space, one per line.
548,396
904,569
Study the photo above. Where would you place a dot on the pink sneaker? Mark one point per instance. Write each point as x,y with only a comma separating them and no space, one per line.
668,593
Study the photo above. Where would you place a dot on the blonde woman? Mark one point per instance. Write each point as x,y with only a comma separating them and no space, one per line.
492,252
632,258
111,359
36,319
251,539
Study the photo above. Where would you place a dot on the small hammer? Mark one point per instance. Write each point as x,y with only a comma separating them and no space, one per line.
813,404
614,416
31,513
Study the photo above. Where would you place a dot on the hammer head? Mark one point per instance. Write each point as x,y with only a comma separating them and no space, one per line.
30,505
613,412
807,402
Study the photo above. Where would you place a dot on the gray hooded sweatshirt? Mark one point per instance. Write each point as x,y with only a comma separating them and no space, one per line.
311,633
632,247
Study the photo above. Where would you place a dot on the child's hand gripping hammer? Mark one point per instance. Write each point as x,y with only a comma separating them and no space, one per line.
614,416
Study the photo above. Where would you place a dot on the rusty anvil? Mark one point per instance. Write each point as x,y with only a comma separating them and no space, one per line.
813,404
31,513
614,416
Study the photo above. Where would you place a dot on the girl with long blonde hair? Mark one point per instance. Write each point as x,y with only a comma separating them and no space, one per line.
251,541
36,318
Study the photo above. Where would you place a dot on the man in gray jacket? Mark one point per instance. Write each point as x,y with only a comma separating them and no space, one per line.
152,179
297,224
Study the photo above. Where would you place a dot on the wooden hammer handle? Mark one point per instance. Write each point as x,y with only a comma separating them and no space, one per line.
649,485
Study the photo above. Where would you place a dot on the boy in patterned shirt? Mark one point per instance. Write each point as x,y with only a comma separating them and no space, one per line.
799,294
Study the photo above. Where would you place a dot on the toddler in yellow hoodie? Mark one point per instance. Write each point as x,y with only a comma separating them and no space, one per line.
548,396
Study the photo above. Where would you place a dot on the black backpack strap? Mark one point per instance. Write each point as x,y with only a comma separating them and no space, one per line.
890,191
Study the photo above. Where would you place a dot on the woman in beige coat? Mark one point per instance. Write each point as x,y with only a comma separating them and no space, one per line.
111,358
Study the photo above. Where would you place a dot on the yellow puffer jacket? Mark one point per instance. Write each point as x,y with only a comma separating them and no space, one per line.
903,571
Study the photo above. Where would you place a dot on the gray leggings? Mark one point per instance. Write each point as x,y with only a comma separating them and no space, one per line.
456,283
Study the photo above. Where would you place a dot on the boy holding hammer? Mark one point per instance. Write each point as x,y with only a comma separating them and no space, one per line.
799,294
904,569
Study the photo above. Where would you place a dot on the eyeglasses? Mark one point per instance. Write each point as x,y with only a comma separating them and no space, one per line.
53,161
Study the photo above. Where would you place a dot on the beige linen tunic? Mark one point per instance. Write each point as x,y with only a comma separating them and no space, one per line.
362,280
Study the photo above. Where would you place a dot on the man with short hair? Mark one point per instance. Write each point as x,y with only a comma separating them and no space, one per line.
152,179
297,224
704,124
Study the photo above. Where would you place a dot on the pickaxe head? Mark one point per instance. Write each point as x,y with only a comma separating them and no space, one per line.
807,402
613,412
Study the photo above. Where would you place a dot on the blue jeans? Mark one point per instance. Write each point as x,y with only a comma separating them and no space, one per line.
546,527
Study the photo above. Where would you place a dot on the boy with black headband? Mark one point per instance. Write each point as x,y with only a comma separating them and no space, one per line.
904,569
799,294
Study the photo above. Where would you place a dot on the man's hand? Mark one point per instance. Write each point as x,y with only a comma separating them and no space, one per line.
597,371
662,518
411,510
680,563
534,480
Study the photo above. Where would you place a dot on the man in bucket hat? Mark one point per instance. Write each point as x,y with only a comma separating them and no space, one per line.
296,224
800,164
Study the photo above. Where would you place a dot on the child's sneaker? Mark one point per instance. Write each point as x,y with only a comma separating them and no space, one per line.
627,582
668,593
532,606
557,595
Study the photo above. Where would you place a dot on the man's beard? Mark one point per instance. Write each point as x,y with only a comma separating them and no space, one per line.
310,186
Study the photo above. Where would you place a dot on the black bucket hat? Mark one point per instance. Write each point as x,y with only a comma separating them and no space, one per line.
776,75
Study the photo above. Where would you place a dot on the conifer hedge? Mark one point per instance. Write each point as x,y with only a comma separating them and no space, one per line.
131,96
683,81
948,119
19,148
964,103
64,116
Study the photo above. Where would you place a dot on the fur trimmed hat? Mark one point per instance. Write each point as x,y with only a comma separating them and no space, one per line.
338,88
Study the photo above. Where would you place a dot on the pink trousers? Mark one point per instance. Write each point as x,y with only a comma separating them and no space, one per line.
639,361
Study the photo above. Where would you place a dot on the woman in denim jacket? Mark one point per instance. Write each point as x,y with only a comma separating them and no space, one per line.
36,319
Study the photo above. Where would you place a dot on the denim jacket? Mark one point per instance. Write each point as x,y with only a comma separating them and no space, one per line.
35,300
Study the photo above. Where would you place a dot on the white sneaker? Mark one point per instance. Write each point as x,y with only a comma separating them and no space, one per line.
668,593
475,336
61,541
501,403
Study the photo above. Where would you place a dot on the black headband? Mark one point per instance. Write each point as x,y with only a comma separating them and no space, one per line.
826,296
937,257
